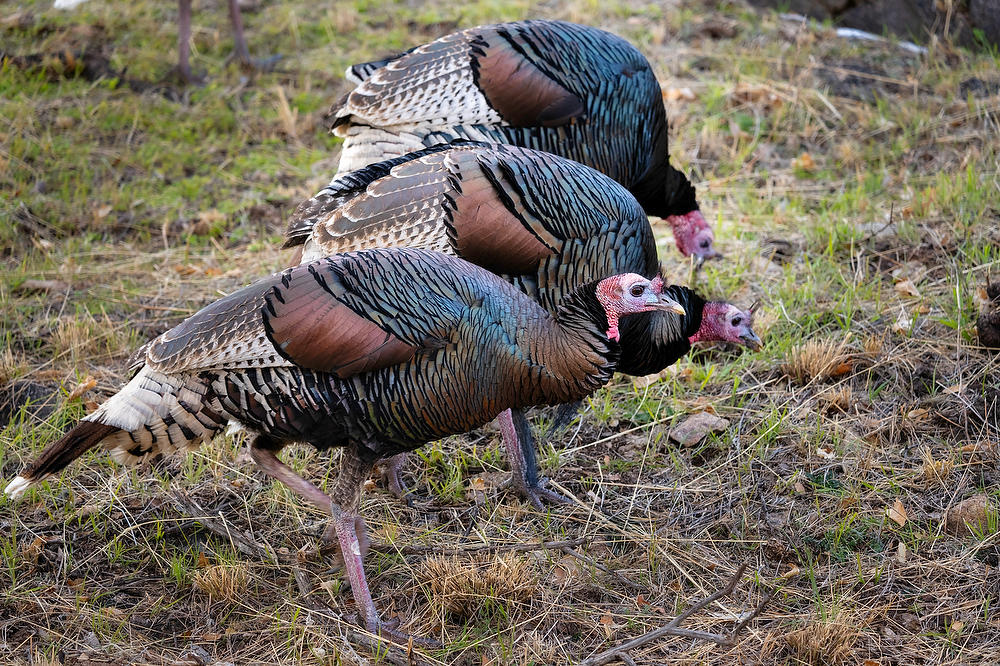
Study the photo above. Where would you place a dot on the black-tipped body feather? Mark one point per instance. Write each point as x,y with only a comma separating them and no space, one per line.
566,89
545,223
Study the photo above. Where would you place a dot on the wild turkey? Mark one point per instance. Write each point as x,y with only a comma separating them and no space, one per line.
377,352
562,88
545,223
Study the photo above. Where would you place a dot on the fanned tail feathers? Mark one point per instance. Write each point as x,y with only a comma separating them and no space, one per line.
60,453
153,414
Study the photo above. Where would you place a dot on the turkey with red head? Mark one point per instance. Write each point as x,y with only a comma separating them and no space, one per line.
545,223
377,352
559,87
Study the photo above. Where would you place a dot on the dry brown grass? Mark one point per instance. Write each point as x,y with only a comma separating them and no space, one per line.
222,581
823,643
471,587
816,361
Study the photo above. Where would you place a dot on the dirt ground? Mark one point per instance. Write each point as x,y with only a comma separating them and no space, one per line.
854,188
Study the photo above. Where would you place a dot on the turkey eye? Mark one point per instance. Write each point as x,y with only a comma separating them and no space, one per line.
737,321
637,290
704,244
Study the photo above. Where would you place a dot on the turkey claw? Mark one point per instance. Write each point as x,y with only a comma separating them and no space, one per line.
535,494
388,631
389,471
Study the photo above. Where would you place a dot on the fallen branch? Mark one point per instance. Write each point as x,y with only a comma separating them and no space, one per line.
478,548
673,628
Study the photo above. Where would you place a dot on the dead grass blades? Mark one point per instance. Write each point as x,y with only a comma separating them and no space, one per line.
222,581
823,643
816,361
470,588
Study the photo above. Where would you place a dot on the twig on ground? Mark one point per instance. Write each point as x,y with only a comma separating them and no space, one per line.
219,527
387,651
594,563
673,628
478,548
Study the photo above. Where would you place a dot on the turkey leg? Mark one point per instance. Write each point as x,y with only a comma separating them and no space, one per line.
342,505
520,444
565,413
239,40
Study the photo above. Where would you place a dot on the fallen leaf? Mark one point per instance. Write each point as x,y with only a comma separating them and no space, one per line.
957,626
826,452
911,270
102,212
799,487
917,414
907,288
33,550
82,388
897,513
901,552
202,561
841,369
805,162
608,623
755,95
648,380
951,390
42,285
696,427
792,572
211,637
970,516
978,447
904,323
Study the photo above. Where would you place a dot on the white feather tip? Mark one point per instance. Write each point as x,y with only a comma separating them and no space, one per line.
17,487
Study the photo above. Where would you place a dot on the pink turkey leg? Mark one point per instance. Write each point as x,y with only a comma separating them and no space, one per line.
343,506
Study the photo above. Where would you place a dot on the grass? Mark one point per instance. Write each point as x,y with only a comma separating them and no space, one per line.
853,187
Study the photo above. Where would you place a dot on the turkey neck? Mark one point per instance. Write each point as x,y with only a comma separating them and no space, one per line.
652,341
573,360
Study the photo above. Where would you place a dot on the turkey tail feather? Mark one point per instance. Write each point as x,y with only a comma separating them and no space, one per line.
60,453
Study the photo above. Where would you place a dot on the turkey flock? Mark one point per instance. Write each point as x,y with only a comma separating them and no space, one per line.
483,248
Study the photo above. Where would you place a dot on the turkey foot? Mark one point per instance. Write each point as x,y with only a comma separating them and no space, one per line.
389,471
535,494
520,445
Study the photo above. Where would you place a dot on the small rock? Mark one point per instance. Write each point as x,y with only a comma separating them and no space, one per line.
969,516
696,427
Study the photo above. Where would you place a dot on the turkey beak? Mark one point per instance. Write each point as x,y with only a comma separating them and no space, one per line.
666,304
702,258
751,340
